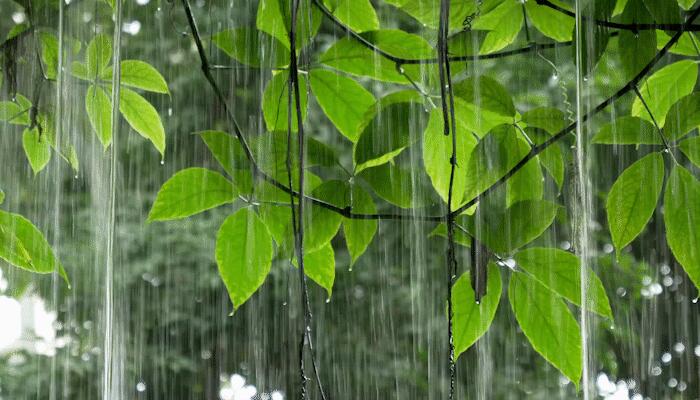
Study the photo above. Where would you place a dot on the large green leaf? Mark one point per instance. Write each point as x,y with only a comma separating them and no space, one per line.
99,110
487,94
343,100
191,191
397,185
427,12
252,47
682,117
37,149
437,150
552,158
274,18
319,265
560,272
636,48
472,320
359,15
627,130
665,87
682,218
551,120
243,254
276,100
503,23
550,22
98,55
691,148
142,117
227,150
633,197
394,128
666,11
140,75
358,232
49,53
548,324
526,184
24,246
498,152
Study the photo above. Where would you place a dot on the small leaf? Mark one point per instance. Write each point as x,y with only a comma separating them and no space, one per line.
49,53
37,149
560,272
472,320
633,197
627,130
691,148
143,117
243,254
682,218
359,15
252,47
343,100
98,55
13,113
548,324
319,265
276,99
99,110
140,75
189,192
665,87
359,233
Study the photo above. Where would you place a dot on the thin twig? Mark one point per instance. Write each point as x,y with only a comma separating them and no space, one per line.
656,125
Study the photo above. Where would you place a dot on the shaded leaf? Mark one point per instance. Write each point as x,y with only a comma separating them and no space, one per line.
682,219
276,100
99,110
252,47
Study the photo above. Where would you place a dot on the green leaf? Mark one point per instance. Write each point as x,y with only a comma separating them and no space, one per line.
142,117
665,87
560,272
666,11
99,110
636,49
98,55
548,324
627,130
274,18
359,233
503,23
498,152
275,102
510,229
393,129
243,254
140,75
550,22
191,191
2,196
427,12
397,185
682,218
24,246
343,100
682,117
551,120
437,150
79,70
594,41
472,320
227,150
49,53
13,113
252,47
552,158
319,265
487,94
359,15
633,197
37,149
691,148
684,46
526,184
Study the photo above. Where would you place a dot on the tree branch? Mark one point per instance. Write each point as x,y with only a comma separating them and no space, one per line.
600,107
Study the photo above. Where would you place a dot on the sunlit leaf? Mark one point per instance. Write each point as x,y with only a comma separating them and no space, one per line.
550,22
143,117
274,18
99,110
191,191
503,23
276,100
359,15
665,87
37,149
319,265
140,75
226,149
472,320
98,55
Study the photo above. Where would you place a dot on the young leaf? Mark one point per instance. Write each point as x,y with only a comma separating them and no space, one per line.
359,233
472,320
319,265
633,197
627,130
243,254
560,272
437,149
143,117
682,219
37,149
548,324
551,23
343,100
98,55
359,15
275,102
252,47
191,191
99,110
691,148
140,75
665,87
